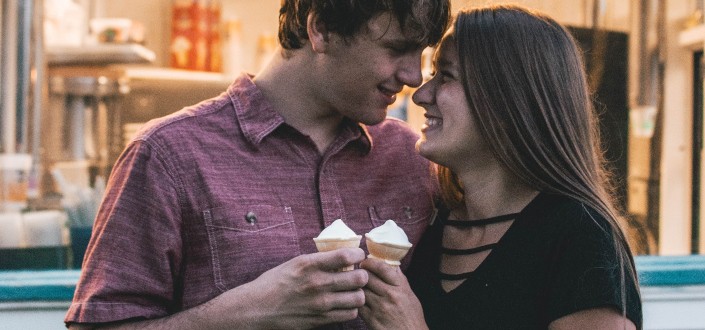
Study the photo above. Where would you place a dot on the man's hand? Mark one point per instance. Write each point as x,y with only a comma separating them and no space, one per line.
389,301
308,291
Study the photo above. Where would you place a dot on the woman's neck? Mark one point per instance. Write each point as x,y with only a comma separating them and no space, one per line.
492,192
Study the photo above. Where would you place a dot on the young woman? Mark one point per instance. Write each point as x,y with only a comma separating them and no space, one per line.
530,237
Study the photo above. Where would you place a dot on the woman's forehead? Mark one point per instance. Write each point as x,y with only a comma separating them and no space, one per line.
447,52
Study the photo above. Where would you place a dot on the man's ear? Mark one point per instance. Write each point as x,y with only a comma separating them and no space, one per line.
317,34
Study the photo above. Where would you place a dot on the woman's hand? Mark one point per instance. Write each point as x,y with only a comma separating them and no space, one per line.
389,301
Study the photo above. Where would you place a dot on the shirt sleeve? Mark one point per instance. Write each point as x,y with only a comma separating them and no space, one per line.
588,273
132,261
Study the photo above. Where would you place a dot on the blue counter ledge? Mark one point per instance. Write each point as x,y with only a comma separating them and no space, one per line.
59,285
665,271
54,285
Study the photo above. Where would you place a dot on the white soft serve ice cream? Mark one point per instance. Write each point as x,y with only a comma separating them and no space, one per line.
389,233
337,230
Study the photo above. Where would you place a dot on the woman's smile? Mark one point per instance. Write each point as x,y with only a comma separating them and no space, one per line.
431,123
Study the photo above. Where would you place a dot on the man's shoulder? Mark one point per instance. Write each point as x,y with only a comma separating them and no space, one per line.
394,141
187,119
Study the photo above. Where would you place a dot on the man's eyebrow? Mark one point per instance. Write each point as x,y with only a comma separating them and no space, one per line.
405,43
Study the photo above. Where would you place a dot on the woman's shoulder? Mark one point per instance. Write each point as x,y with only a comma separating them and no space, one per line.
567,213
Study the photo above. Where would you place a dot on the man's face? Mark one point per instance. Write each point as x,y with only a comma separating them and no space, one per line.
361,78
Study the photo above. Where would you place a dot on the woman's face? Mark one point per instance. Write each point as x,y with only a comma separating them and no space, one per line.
449,136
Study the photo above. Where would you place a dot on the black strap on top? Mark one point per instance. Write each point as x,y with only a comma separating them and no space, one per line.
458,252
454,277
455,252
483,222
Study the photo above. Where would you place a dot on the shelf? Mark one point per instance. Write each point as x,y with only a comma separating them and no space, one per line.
169,74
693,38
99,54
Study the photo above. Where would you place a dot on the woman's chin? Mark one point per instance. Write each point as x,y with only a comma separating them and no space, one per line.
423,148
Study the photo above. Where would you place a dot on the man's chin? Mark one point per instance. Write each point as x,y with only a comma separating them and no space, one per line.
371,121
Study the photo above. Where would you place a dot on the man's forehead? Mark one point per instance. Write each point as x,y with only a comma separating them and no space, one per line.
386,26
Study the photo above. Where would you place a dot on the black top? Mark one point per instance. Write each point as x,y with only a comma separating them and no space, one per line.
557,258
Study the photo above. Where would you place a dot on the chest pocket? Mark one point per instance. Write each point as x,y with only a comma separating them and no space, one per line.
412,217
247,240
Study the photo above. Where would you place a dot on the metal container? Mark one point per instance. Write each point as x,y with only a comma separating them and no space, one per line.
85,117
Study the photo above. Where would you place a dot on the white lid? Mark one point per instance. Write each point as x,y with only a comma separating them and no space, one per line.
15,161
11,234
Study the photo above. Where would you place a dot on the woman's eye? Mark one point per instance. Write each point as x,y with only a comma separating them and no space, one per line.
446,75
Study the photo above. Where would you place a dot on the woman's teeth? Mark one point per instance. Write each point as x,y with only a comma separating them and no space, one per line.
433,122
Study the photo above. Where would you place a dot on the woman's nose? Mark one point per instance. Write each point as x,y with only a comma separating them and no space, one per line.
423,96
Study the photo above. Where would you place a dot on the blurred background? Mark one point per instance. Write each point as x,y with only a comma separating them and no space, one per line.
79,77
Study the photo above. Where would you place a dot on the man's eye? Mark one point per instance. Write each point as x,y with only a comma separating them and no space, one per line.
398,50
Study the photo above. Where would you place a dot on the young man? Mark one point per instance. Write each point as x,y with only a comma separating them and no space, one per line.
210,212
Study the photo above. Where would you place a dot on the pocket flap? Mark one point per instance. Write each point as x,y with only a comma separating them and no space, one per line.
249,218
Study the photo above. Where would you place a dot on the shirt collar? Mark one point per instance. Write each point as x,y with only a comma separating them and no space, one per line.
257,118
352,131
254,113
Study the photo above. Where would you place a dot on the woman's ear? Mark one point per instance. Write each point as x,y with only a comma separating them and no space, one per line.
317,34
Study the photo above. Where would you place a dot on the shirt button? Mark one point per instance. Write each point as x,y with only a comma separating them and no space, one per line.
408,211
251,218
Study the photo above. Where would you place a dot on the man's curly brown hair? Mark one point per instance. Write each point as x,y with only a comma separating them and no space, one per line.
427,20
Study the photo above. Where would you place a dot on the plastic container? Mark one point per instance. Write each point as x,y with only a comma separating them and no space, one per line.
65,23
14,181
45,228
34,240
11,233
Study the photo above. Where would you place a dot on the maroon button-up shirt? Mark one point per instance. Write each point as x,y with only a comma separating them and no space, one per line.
212,196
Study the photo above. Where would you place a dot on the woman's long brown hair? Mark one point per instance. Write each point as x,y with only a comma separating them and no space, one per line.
526,87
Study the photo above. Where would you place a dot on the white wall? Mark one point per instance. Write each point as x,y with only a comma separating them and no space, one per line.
676,161
574,12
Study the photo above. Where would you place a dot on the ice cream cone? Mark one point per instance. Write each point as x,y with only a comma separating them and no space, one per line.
337,236
389,252
330,244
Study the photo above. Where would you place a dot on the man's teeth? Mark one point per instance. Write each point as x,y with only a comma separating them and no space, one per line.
431,122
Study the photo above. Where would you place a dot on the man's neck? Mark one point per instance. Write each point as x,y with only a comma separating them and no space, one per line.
289,85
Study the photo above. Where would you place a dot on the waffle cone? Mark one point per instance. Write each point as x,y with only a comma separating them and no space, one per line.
389,252
328,244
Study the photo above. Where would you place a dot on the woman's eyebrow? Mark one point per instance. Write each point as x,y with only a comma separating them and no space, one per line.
442,62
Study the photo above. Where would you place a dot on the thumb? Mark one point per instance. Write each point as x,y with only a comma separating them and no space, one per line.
387,273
